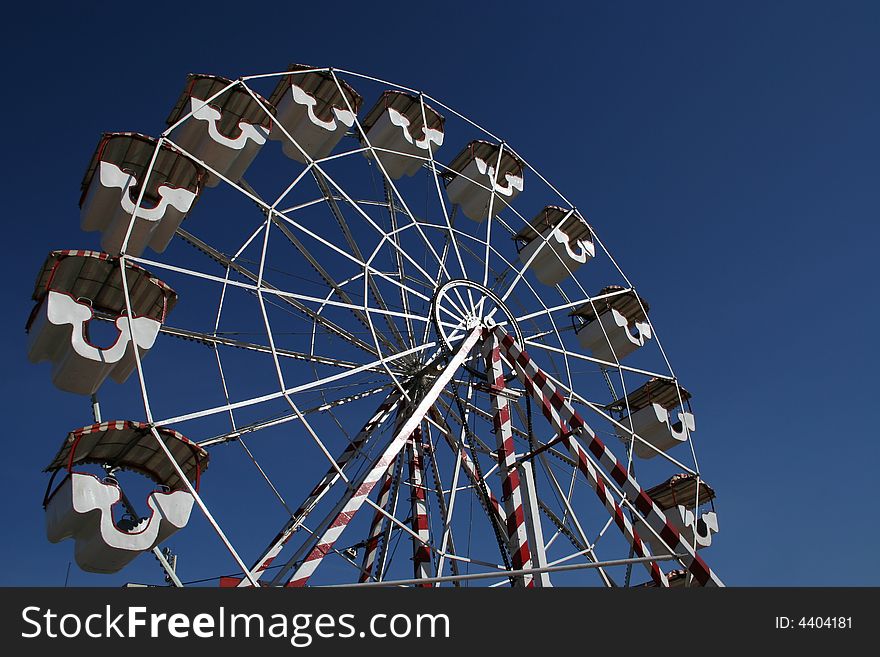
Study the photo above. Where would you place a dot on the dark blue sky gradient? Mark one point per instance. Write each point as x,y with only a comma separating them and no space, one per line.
727,153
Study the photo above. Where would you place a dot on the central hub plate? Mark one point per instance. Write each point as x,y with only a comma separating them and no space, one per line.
459,305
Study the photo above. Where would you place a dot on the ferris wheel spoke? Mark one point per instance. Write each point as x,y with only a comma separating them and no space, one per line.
404,299
211,340
382,233
390,182
293,390
445,253
443,257
281,381
355,249
253,427
315,264
366,266
456,316
531,342
326,301
337,289
572,304
441,199
220,258
232,422
476,256
289,297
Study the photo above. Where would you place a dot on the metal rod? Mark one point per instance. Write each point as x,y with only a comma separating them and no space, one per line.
219,257
509,573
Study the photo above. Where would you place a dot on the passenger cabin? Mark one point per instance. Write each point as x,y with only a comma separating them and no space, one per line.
650,408
681,489
72,289
314,111
612,325
81,506
113,184
555,244
675,578
399,123
224,131
677,497
478,179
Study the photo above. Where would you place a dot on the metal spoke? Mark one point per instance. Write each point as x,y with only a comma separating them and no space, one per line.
355,249
217,256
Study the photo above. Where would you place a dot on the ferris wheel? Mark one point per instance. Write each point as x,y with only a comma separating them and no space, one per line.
383,351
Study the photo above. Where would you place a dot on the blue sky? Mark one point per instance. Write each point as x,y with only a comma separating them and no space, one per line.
728,153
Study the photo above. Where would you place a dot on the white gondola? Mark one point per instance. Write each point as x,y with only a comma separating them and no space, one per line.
314,110
678,498
555,244
225,133
399,123
614,325
695,528
676,579
476,173
112,185
681,489
650,409
81,506
74,286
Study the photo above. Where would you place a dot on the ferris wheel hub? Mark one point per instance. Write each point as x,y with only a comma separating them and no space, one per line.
460,305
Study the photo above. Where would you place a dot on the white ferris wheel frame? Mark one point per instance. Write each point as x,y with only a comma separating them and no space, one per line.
413,342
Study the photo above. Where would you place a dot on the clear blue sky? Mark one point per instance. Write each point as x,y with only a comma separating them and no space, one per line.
728,152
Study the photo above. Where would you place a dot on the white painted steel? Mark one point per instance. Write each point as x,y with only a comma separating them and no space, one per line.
376,277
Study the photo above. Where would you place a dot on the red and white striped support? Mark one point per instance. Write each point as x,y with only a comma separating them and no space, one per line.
469,469
371,548
567,422
512,494
325,536
318,492
419,508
